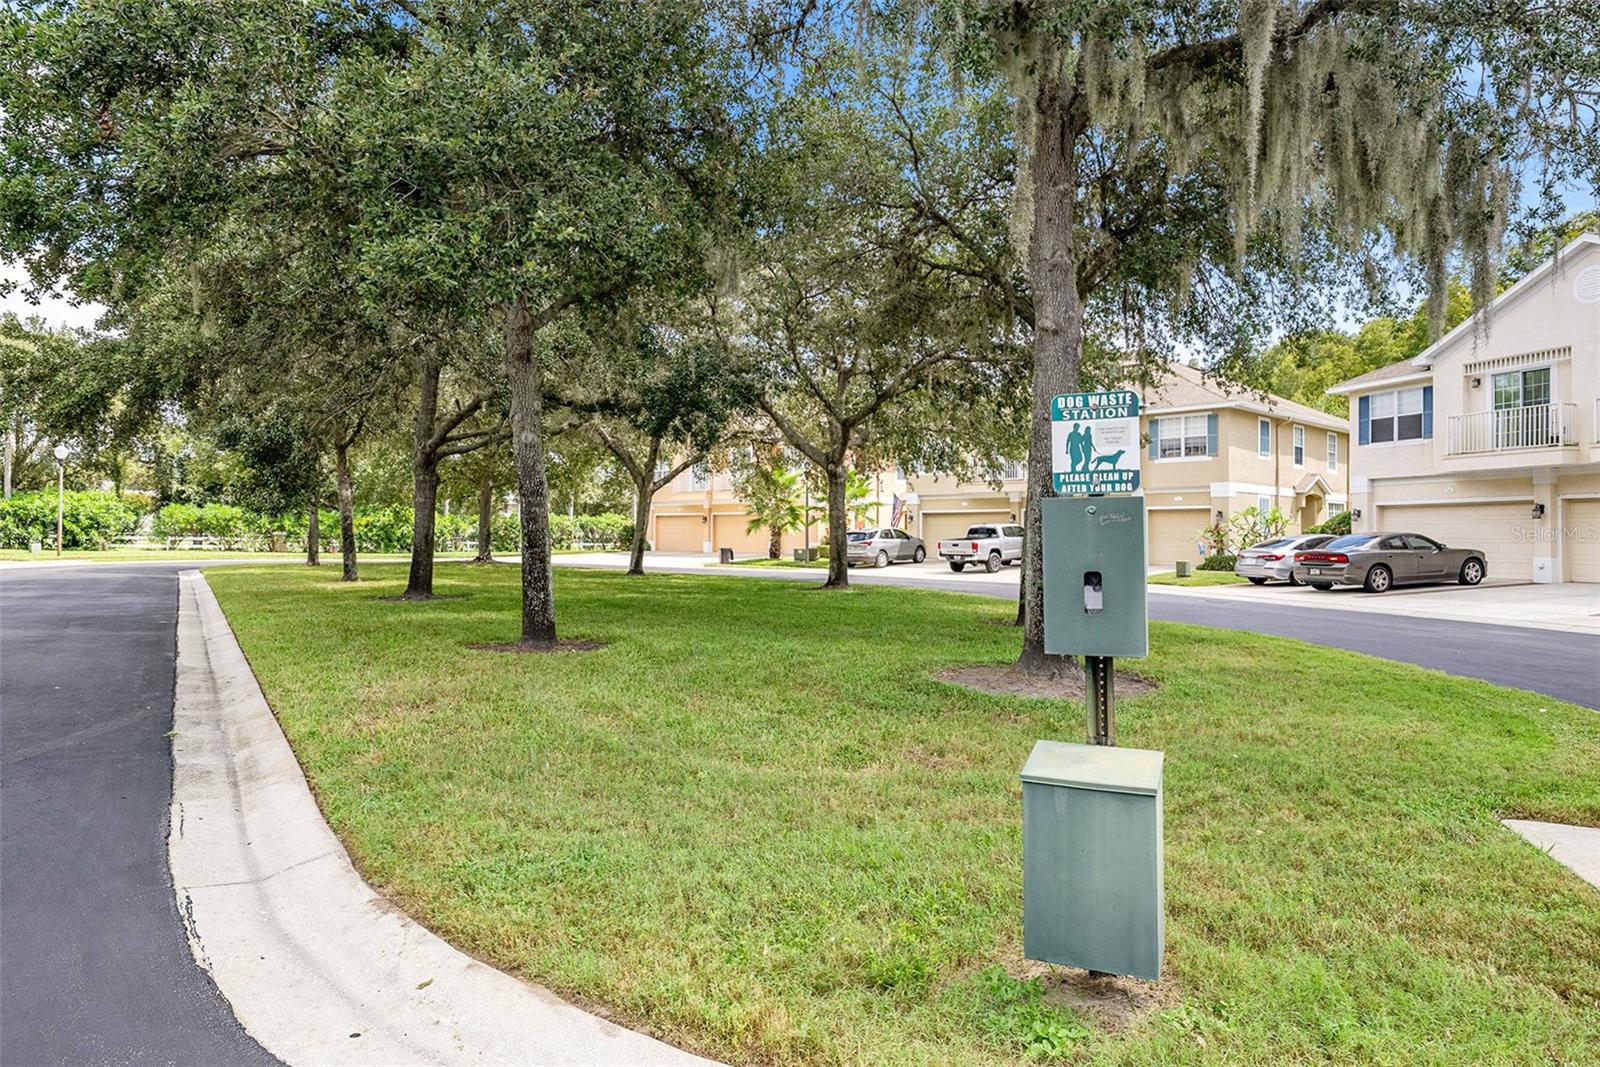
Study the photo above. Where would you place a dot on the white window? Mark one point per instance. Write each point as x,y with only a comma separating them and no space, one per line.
1181,435
1014,469
1263,504
1396,415
1333,451
1299,446
1263,437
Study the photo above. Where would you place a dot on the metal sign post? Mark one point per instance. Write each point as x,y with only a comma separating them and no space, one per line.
1102,718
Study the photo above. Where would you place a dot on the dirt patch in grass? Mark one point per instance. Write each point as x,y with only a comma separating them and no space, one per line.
570,644
1113,1002
403,599
1003,679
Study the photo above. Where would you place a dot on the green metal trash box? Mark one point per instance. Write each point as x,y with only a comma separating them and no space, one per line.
1092,893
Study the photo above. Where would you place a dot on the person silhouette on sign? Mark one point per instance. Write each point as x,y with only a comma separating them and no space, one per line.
1087,445
1075,449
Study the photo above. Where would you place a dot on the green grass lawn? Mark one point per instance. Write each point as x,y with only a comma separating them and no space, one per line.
127,555
755,825
1197,578
815,564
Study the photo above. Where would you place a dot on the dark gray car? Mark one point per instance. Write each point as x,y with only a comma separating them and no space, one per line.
1380,561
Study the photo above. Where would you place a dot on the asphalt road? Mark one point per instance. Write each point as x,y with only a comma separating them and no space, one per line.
94,965
1558,664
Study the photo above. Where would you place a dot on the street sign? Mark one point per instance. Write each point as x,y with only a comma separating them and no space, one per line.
1094,442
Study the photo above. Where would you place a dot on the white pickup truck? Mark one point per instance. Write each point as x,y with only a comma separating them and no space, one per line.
989,544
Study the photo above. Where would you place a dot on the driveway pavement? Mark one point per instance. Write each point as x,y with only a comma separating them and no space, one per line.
96,967
1448,628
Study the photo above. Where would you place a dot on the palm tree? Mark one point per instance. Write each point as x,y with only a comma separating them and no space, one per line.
771,494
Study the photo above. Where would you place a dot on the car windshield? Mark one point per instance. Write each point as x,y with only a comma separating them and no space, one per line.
981,531
1352,541
860,535
1277,542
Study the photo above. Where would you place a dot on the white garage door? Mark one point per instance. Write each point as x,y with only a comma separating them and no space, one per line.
1580,526
1503,531
679,533
1172,535
948,525
729,532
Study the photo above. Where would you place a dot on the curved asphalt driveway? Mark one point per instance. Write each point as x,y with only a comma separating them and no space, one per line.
95,968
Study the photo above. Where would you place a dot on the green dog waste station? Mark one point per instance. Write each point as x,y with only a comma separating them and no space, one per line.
1091,858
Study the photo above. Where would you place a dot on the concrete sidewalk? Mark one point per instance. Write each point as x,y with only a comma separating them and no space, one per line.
318,966
1568,607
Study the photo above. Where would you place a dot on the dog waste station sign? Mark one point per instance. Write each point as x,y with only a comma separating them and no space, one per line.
1092,863
1094,442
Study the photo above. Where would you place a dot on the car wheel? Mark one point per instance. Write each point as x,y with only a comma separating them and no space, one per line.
1258,581
1471,572
957,567
1324,586
1293,580
1379,579
992,564
919,555
882,560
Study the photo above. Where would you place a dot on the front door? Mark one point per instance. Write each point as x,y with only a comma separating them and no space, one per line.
1522,408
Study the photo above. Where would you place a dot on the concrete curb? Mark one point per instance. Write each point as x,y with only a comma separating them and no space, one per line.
317,966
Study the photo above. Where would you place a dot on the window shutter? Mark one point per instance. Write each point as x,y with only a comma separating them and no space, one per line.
1155,438
1211,434
1364,416
1427,411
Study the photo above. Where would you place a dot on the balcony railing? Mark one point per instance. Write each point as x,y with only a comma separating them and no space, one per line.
1531,426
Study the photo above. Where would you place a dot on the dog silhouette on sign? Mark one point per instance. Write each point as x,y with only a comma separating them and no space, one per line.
1110,460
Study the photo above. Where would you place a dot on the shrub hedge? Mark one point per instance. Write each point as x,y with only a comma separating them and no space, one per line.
90,519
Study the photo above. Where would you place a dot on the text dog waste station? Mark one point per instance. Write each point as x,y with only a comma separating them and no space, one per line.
1092,885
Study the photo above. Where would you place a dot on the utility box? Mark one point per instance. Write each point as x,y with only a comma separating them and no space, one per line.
1094,576
1092,887
1181,568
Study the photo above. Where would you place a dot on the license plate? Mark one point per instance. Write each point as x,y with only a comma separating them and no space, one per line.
1315,570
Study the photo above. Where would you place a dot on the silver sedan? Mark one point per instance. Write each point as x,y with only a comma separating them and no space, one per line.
1274,560
882,546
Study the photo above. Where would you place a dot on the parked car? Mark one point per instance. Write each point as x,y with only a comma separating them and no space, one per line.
1274,559
883,546
992,544
1380,561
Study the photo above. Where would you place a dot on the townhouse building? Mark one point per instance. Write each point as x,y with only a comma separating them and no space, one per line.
1490,437
1213,450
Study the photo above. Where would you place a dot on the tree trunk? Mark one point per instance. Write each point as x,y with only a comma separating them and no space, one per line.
643,492
424,482
533,492
775,543
485,522
1057,336
347,511
313,534
838,559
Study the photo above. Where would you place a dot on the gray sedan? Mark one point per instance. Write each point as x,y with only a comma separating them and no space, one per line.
1274,559
1379,561
882,546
